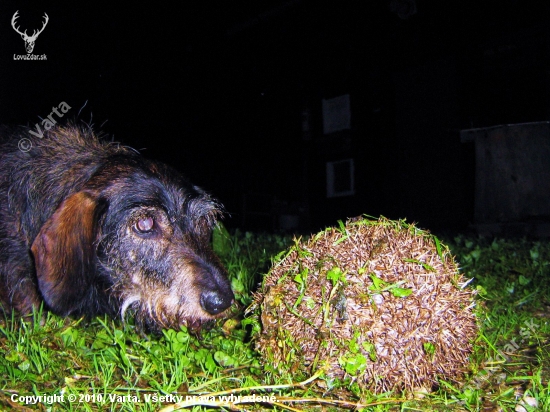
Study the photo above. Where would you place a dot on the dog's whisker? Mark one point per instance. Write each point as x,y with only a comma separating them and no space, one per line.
127,303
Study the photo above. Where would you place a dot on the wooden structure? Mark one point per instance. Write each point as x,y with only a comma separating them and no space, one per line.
512,188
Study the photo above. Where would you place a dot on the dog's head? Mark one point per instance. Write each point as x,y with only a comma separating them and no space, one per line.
135,238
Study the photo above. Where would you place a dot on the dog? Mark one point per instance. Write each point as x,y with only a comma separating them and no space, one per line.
91,227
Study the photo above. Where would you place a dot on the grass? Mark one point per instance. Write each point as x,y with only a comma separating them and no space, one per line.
103,364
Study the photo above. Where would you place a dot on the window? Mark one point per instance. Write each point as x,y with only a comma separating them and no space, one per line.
336,114
340,178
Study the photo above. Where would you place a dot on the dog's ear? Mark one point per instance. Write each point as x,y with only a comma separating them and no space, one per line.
64,254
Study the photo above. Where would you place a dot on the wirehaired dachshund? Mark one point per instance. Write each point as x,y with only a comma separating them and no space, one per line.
91,227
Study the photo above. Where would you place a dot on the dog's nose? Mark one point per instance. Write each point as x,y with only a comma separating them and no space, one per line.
215,302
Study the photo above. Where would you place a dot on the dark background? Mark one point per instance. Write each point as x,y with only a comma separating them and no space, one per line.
220,89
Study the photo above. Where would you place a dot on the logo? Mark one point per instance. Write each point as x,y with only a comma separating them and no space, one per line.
29,40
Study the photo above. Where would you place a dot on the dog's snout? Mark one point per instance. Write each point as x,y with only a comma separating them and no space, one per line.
216,301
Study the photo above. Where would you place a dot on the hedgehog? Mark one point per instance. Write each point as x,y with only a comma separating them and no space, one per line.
379,304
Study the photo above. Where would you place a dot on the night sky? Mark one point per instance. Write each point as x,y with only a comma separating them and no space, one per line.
218,89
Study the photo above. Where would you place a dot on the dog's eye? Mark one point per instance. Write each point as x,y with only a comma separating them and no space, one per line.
144,225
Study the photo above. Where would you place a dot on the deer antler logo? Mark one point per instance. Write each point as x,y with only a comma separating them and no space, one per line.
29,40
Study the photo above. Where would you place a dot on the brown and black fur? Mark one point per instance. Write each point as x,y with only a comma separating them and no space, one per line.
89,227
